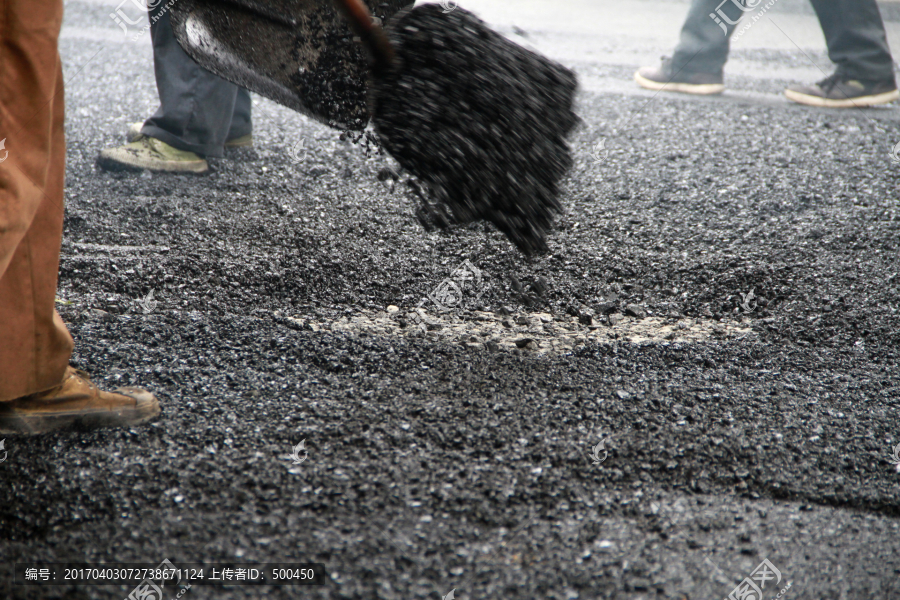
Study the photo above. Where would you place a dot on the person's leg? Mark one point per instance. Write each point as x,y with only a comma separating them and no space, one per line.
698,61
199,113
239,135
703,45
241,125
196,107
857,43
39,391
34,344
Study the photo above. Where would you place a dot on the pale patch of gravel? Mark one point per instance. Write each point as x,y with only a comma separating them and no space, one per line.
533,331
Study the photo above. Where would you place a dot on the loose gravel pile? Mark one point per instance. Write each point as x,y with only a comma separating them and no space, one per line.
482,120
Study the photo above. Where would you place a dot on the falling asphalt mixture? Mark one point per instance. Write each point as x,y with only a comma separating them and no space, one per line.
718,306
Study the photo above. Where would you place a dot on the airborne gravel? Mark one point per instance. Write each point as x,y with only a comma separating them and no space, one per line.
481,119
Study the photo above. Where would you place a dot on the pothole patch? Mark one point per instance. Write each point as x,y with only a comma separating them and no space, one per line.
531,331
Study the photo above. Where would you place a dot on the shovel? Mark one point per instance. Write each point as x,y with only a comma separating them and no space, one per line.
299,53
479,119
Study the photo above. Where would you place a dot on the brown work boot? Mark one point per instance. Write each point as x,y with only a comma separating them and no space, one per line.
77,401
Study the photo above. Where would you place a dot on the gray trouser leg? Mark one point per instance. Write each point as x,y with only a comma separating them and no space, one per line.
240,119
198,111
703,47
856,40
853,30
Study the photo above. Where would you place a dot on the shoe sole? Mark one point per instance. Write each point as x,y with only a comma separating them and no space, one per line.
698,89
241,142
134,135
134,163
859,102
145,409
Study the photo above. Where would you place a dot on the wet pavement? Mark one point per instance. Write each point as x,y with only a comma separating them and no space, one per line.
698,376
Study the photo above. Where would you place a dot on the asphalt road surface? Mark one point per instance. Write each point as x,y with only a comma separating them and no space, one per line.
719,308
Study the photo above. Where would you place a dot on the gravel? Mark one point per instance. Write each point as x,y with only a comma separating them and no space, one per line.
482,120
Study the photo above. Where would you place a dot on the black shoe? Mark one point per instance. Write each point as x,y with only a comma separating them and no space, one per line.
665,78
840,91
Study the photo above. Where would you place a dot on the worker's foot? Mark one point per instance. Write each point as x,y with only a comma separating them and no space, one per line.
151,154
666,78
134,134
840,91
77,401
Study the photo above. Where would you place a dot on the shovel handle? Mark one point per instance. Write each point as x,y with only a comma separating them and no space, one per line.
371,34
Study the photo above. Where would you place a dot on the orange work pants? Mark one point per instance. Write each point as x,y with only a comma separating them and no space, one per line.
34,344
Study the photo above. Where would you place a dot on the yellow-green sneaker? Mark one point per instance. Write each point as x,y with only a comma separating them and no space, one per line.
134,135
134,132
153,155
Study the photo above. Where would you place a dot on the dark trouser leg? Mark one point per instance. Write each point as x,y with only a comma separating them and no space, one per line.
240,120
856,40
703,47
196,107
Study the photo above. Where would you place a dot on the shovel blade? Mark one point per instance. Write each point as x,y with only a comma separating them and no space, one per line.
299,53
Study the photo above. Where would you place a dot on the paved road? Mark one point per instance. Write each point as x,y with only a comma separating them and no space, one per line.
737,428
